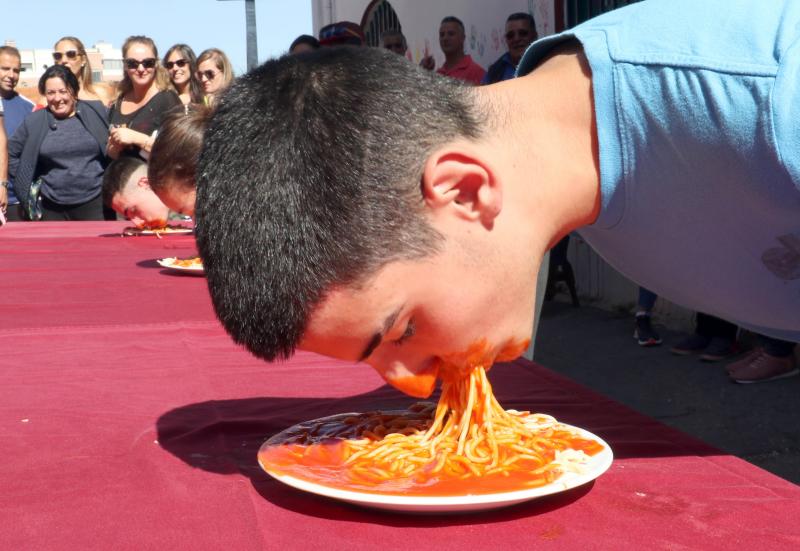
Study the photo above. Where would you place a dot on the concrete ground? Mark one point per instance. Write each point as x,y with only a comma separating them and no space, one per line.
757,422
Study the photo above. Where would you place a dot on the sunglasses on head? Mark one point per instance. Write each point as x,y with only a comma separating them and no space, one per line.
209,74
147,63
71,54
181,63
522,33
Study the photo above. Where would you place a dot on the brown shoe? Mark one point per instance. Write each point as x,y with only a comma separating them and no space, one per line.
760,367
744,361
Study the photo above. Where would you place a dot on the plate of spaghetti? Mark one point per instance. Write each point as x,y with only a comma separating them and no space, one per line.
159,231
192,265
465,453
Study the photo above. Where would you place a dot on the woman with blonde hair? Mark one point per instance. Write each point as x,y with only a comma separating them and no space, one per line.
70,51
215,73
181,65
144,98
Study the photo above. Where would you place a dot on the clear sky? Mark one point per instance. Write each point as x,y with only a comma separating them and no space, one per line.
199,23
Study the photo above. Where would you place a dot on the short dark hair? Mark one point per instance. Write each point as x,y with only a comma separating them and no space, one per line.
177,147
10,50
62,72
453,19
117,175
305,39
522,16
309,180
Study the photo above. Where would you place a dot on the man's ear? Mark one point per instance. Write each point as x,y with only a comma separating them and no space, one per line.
456,179
143,182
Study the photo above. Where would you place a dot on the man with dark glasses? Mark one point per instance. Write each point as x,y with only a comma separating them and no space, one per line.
520,32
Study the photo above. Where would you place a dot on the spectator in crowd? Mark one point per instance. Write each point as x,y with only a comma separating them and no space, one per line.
342,33
714,339
215,73
181,65
418,210
303,43
15,108
771,359
3,167
70,51
457,64
171,170
644,333
58,154
144,98
127,191
520,32
394,41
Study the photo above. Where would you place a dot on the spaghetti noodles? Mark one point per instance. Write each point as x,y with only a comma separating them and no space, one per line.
466,444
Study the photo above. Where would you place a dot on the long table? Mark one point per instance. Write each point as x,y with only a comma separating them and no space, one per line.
130,420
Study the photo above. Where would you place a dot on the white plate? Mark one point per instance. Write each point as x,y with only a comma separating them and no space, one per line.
169,264
596,465
171,230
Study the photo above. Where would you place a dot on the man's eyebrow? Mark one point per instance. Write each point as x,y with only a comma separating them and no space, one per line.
378,337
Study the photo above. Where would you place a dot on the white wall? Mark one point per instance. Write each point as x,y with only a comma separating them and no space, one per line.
484,22
601,285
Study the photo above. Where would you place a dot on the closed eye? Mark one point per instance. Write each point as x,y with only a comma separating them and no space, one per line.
411,328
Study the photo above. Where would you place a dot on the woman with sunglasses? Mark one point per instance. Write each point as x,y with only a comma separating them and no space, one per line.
58,154
215,73
181,65
144,98
70,52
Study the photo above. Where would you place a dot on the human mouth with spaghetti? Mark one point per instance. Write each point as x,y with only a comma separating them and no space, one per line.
466,444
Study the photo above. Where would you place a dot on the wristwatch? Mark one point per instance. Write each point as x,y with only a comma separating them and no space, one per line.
4,184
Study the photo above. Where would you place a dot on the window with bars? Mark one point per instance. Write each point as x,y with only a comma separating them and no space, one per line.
378,17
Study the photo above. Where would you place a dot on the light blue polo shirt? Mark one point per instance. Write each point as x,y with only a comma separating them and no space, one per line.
697,105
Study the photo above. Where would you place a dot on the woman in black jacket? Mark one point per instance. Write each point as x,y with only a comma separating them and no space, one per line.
58,154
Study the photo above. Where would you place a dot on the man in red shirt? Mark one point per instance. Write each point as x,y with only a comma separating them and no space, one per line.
457,64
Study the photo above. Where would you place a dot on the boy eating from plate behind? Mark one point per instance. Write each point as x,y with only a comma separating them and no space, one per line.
127,190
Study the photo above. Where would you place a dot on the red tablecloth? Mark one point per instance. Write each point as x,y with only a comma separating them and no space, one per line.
129,420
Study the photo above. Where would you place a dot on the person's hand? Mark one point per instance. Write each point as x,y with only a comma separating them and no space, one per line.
3,198
113,149
123,137
428,63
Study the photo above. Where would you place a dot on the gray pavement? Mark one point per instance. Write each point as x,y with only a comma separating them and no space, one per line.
757,422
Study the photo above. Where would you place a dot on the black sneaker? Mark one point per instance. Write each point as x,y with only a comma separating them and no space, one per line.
693,344
644,333
718,349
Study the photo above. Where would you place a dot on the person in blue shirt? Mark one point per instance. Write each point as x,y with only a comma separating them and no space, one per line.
14,108
520,32
399,219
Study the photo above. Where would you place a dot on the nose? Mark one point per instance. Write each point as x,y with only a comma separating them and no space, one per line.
415,376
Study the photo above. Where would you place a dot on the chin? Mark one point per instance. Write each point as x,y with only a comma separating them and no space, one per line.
513,349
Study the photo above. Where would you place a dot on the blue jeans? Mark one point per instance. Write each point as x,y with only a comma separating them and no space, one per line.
776,347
